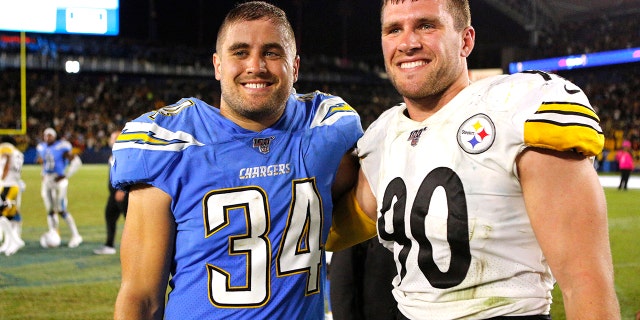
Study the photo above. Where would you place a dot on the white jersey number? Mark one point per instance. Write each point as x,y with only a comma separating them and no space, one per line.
300,250
457,226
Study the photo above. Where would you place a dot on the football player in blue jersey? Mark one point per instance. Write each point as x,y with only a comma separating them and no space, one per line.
58,165
231,206
484,191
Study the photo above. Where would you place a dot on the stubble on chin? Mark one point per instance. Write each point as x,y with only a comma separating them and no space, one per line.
417,88
253,110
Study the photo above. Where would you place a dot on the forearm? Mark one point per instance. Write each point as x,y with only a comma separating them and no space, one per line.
590,299
350,225
132,306
74,165
586,278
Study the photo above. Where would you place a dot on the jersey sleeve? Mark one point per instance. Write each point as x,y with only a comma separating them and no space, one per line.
147,147
334,111
369,146
66,146
564,120
5,150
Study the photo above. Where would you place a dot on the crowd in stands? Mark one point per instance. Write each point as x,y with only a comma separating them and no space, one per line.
600,33
86,107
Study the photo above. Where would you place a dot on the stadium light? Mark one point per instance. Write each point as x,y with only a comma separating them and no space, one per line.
72,66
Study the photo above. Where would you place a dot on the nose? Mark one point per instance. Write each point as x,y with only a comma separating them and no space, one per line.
256,64
410,41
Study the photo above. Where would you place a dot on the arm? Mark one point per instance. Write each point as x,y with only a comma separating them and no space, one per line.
365,197
568,213
119,195
146,252
74,165
345,176
7,165
354,217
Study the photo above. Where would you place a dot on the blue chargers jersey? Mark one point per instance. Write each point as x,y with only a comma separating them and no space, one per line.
253,209
53,160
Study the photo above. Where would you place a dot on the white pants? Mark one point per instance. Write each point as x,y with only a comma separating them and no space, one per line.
54,194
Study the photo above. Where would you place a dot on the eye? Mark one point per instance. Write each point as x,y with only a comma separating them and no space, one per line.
426,26
391,30
240,53
272,54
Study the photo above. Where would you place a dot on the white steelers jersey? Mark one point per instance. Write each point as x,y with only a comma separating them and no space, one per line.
9,153
450,205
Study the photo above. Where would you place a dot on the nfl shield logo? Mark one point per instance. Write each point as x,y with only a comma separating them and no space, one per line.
414,136
263,144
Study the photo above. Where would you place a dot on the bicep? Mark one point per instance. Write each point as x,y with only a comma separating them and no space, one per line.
7,164
365,197
567,209
346,175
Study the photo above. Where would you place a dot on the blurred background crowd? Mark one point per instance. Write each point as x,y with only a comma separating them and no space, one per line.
120,79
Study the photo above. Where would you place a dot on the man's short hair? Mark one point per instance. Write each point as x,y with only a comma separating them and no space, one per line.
256,10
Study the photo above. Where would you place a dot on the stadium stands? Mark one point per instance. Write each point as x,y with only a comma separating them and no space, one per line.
120,79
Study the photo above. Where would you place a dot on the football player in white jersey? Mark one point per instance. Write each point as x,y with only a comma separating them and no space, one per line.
232,205
485,192
11,185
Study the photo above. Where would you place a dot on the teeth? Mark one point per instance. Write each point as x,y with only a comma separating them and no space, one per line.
256,85
408,65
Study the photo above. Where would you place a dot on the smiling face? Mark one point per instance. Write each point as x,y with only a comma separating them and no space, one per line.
424,53
256,65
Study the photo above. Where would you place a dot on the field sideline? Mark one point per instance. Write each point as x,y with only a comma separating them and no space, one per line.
64,283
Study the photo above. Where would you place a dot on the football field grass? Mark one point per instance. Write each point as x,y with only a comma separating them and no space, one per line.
64,283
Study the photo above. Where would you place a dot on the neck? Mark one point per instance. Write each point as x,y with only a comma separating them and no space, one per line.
257,122
422,108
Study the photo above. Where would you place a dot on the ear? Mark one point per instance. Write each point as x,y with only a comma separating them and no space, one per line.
217,66
296,68
468,41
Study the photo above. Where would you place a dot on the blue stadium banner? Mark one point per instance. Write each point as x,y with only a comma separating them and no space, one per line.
586,60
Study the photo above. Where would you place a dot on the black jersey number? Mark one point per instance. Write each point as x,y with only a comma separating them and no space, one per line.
457,226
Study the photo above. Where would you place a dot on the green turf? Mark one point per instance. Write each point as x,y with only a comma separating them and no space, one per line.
64,283
624,231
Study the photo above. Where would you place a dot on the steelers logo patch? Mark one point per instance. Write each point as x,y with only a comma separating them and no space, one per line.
476,134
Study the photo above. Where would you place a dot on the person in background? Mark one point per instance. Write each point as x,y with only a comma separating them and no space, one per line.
11,186
486,191
232,205
58,165
625,164
117,203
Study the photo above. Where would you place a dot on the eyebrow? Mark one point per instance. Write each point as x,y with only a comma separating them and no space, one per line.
266,46
418,21
238,45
